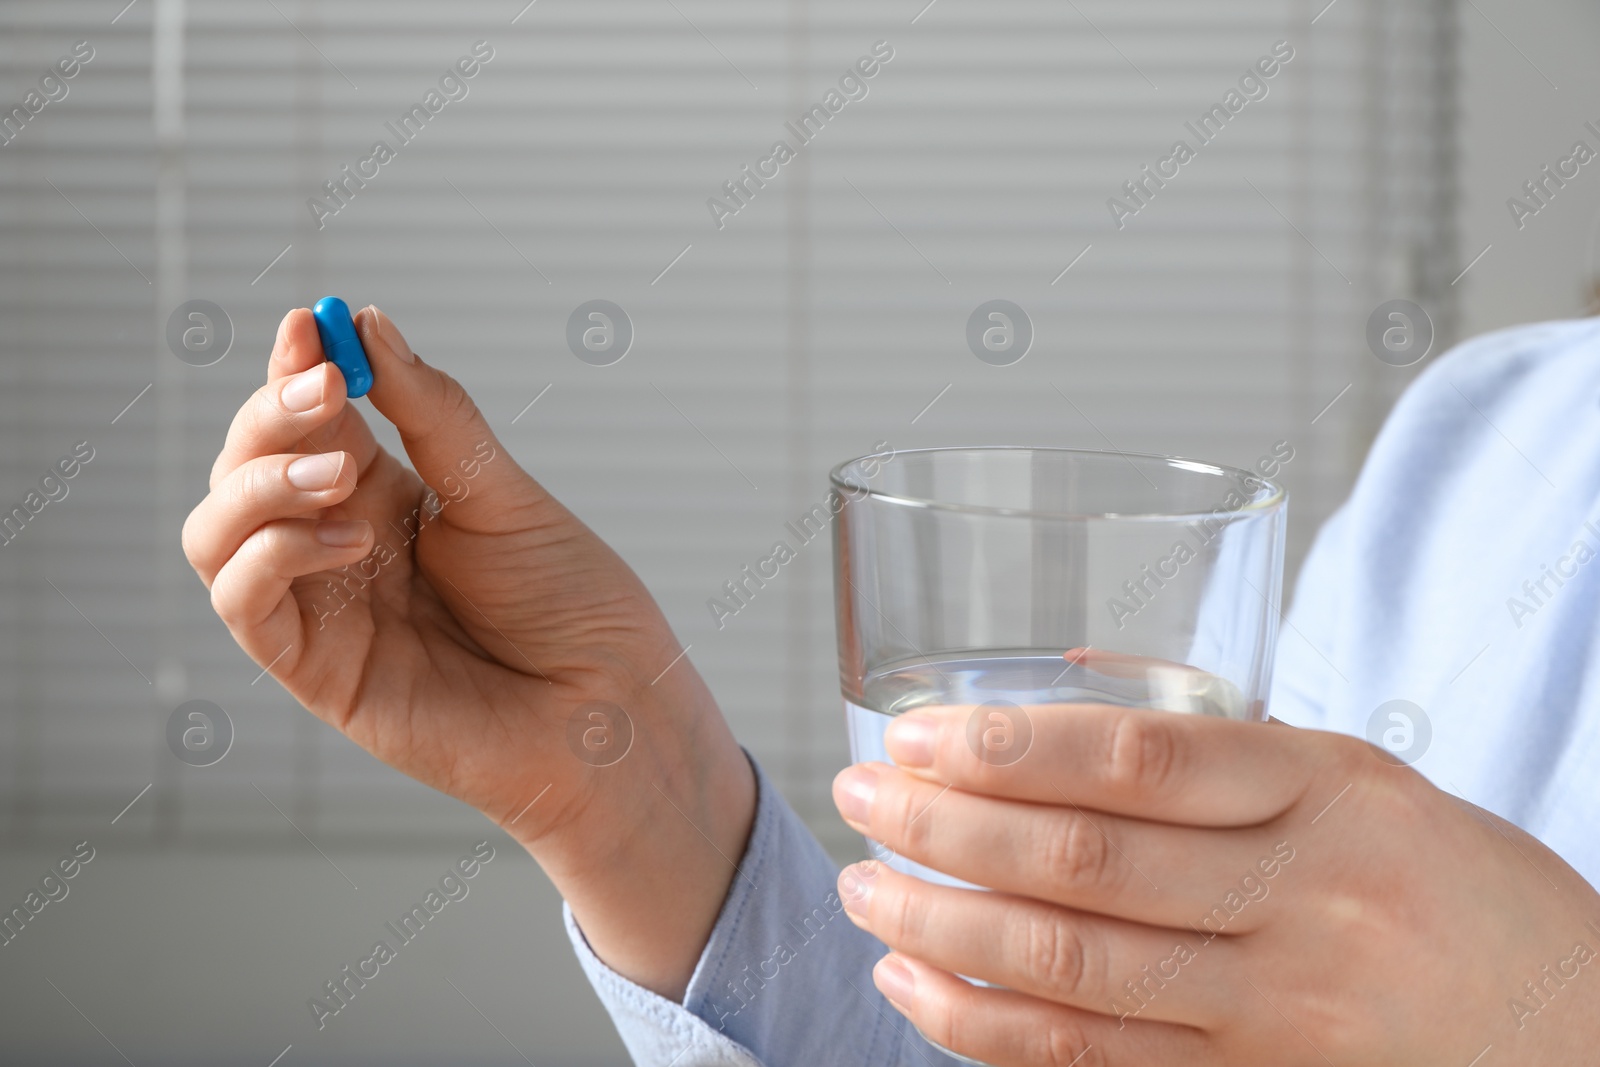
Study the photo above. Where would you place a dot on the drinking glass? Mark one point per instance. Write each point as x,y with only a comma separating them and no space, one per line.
1010,579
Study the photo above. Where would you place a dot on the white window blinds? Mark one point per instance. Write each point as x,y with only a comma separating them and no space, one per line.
827,313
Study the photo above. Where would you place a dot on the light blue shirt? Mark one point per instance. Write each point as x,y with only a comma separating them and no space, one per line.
1462,576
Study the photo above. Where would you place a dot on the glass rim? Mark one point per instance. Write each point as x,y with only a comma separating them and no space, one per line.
1275,499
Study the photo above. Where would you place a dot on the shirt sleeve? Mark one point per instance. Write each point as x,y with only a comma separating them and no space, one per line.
785,979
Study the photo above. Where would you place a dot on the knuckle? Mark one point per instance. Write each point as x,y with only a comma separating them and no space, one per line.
1406,798
1077,856
222,600
1058,956
247,485
261,551
259,420
259,558
269,544
1143,756
903,914
455,403
1343,751
1354,761
1067,1045
266,407
913,820
1355,757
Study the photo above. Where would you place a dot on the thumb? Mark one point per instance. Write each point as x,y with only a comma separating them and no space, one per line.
446,436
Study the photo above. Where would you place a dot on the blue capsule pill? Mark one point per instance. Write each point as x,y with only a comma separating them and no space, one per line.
341,344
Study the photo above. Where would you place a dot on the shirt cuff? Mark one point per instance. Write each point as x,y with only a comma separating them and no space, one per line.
785,978
657,1032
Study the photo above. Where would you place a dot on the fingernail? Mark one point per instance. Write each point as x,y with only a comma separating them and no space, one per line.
895,981
316,472
855,887
391,334
342,534
304,391
910,740
853,791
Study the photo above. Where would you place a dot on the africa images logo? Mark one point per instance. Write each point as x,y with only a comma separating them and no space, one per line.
342,988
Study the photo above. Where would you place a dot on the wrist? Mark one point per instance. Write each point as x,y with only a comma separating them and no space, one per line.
644,848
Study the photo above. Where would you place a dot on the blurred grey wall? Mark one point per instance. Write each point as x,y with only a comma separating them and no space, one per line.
830,312
1527,91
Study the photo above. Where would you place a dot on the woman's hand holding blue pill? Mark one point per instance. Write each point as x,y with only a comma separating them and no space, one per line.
454,635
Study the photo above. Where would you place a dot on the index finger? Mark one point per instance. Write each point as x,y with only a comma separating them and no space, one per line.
296,347
1196,770
268,423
